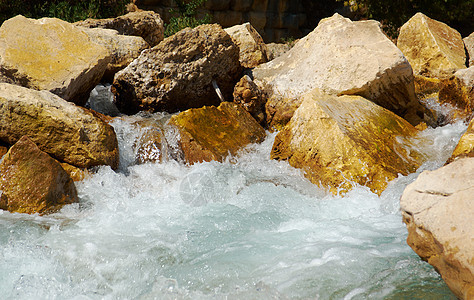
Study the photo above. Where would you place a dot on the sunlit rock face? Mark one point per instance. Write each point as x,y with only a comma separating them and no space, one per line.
437,209
51,54
253,50
343,141
433,48
33,182
469,44
67,132
178,74
212,133
465,147
340,57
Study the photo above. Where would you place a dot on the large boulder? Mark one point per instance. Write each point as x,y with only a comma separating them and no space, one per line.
253,50
180,72
465,146
51,54
67,132
433,48
437,209
341,57
146,24
212,133
343,141
469,44
33,182
124,48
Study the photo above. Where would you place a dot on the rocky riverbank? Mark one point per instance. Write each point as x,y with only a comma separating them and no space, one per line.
346,101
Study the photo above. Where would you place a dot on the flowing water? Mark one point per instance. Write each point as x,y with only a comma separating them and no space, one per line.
248,228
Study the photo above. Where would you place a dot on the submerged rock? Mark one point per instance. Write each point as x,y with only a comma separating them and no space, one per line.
433,48
33,182
212,133
67,132
51,54
343,141
253,50
437,209
179,73
145,24
341,57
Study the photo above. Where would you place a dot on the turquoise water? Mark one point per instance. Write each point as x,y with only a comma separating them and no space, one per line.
248,228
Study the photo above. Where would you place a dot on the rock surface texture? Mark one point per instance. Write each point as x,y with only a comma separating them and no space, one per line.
252,99
178,73
465,146
123,48
212,133
146,24
253,50
469,44
69,133
346,140
433,48
437,209
33,182
341,57
51,54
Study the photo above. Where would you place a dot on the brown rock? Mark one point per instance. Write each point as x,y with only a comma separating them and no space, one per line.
342,57
32,182
433,48
253,50
346,140
178,73
437,209
67,132
252,99
212,133
51,54
3,151
465,146
149,146
76,174
146,24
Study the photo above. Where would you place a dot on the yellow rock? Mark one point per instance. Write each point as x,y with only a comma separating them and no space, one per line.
51,54
343,141
433,48
212,133
465,147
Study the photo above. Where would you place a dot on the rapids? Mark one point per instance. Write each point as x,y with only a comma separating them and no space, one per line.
248,228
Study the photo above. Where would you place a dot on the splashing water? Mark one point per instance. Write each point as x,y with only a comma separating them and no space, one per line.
248,228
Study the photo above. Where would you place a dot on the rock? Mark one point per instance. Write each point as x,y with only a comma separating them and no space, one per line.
437,209
433,48
342,57
33,182
251,98
3,151
253,50
211,133
145,24
51,54
178,73
466,76
67,132
124,49
469,44
277,49
465,146
101,100
343,141
76,174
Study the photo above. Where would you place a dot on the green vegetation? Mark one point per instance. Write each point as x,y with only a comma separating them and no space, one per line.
185,16
393,14
68,10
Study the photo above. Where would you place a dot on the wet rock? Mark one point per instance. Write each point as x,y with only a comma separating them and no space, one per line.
124,49
149,146
437,209
145,24
433,48
469,44
465,146
67,132
178,73
253,50
347,140
101,100
76,174
251,98
33,182
51,54
342,57
212,133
